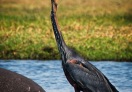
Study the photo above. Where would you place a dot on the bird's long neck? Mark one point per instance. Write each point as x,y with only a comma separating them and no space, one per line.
59,39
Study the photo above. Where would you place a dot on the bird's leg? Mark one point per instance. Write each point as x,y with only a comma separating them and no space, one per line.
76,88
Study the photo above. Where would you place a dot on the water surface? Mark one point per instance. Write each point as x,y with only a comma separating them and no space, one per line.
50,76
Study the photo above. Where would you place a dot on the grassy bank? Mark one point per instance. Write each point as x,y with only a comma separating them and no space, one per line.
99,30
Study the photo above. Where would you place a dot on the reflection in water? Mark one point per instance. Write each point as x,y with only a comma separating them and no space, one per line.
50,76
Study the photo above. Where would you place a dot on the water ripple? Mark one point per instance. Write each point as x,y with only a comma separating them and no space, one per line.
50,76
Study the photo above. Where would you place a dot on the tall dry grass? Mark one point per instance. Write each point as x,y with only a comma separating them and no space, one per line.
99,30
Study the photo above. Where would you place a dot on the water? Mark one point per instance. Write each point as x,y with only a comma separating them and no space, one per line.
50,76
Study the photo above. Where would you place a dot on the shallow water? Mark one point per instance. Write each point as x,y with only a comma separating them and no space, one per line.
50,76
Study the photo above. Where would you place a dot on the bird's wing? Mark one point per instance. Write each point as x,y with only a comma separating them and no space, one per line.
88,76
99,74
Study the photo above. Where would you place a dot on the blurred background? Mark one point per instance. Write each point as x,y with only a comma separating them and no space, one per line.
98,29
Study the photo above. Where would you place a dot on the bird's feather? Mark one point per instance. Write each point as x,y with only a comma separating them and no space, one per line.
87,76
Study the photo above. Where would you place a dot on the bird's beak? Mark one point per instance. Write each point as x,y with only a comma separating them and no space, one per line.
54,5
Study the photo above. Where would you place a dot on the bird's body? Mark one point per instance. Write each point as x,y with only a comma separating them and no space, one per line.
84,76
81,74
13,82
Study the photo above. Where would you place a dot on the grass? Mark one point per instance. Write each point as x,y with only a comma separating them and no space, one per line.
99,30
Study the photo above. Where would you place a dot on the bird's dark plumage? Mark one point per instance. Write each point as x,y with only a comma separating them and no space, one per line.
81,74
88,77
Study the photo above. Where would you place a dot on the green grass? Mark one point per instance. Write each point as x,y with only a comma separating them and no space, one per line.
99,30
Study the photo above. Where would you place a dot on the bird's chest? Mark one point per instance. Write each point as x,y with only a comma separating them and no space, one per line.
69,78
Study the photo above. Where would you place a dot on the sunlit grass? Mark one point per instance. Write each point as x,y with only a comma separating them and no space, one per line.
99,30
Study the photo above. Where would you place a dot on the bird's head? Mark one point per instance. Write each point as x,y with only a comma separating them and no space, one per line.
54,5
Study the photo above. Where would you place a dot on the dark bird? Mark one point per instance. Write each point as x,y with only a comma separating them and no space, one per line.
80,73
13,82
